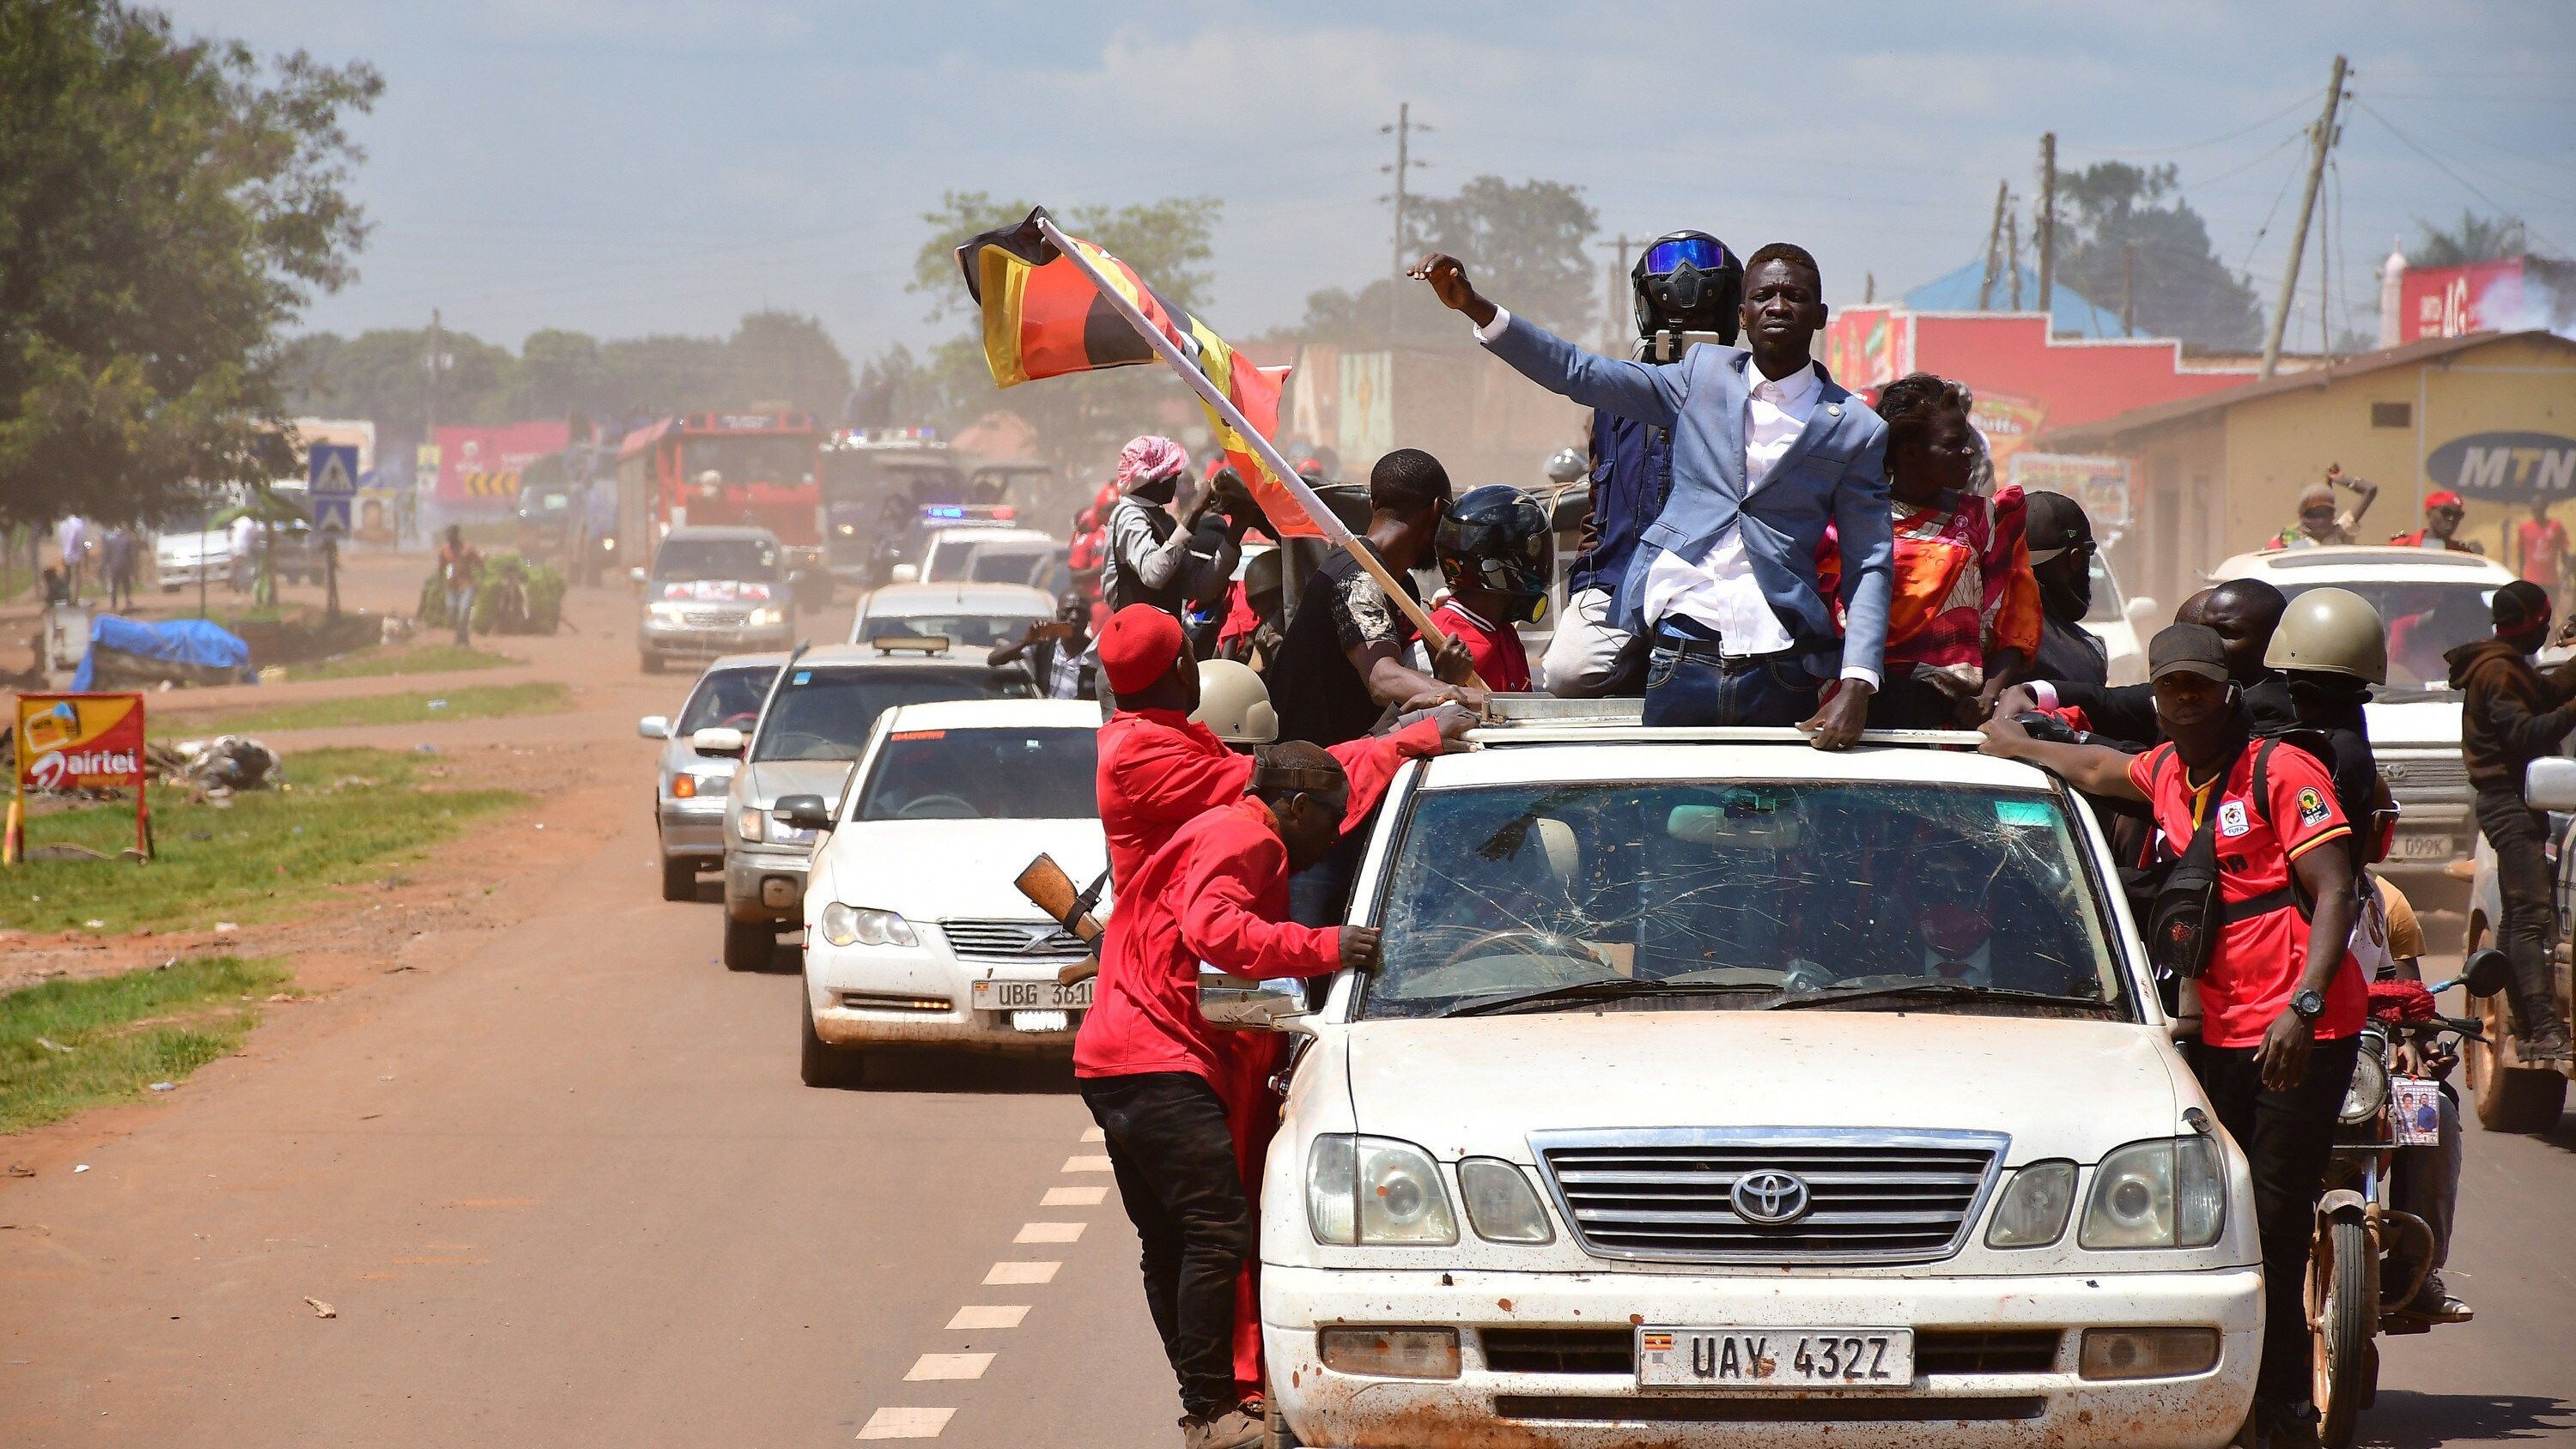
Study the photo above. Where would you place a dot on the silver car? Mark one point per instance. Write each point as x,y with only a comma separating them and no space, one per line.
814,725
712,592
689,791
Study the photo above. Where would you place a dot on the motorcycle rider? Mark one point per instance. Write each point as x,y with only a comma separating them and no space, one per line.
1498,554
2511,714
1687,286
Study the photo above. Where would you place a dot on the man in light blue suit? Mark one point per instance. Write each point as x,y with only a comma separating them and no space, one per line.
1766,450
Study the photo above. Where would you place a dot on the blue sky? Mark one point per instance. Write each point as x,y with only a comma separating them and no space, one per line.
629,166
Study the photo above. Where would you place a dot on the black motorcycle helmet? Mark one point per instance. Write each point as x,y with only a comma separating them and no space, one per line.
1687,281
1498,536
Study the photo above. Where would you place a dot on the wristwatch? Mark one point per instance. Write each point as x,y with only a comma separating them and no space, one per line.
2309,1005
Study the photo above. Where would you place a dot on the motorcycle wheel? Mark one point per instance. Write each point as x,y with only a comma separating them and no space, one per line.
2343,1288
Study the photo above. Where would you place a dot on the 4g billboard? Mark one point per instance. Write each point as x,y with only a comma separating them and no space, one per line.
77,742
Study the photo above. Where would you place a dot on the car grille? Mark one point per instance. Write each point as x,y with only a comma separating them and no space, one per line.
1695,1409
1883,1197
711,618
1985,1350
2424,775
1012,941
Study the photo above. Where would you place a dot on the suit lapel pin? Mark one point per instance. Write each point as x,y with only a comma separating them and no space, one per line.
1833,410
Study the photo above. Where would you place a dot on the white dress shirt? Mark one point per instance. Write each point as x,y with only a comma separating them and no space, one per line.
1718,590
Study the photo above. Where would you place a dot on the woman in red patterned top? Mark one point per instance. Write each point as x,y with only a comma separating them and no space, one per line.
1966,613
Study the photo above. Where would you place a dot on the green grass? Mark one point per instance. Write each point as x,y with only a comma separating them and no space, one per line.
488,701
418,659
347,815
124,1033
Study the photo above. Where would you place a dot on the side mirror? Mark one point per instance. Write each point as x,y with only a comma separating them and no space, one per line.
2549,783
654,727
635,575
906,574
1241,1005
718,740
2141,613
807,812
2487,971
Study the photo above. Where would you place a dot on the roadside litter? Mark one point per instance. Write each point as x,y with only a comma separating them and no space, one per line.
322,1309
213,769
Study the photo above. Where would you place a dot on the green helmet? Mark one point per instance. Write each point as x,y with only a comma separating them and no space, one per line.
2330,631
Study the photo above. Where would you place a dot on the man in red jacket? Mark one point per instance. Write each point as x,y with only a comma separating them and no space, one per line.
1160,769
1148,1063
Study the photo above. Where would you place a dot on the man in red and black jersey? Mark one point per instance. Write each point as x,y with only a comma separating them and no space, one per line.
2282,999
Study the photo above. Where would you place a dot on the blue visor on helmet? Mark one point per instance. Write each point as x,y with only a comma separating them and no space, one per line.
1701,252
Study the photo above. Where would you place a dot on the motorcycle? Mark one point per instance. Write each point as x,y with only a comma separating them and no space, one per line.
2369,1257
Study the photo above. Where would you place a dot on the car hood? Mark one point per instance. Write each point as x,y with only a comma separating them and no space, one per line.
936,869
1480,1085
771,781
2415,723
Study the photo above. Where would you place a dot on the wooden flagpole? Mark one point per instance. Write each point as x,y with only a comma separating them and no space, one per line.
1324,519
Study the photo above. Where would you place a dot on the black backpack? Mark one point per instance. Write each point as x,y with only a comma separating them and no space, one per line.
2176,901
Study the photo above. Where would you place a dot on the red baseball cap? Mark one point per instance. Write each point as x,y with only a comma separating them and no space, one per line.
1139,645
2443,498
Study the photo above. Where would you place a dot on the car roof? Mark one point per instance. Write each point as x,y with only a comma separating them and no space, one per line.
844,656
768,660
894,601
993,532
973,714
2348,562
1628,754
718,530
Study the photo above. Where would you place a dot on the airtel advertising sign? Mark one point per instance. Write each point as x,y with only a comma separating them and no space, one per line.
77,742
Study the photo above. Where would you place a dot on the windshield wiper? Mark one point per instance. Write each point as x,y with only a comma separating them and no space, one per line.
1834,995
1606,988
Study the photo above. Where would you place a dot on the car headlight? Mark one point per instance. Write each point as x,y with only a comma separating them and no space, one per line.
1501,1206
751,824
865,926
2033,1209
2169,1193
764,618
1376,1190
2368,1092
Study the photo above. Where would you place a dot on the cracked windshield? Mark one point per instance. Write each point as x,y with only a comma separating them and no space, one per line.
1741,895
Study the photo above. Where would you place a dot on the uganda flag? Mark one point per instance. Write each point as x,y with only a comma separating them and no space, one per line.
1044,318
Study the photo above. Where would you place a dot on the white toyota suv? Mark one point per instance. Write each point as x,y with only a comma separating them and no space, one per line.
1716,1090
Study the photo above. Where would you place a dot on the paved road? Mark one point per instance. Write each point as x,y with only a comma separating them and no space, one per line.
567,1190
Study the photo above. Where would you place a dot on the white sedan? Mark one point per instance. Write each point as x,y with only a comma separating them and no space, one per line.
914,932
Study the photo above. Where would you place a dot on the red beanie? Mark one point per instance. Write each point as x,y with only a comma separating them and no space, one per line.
1139,646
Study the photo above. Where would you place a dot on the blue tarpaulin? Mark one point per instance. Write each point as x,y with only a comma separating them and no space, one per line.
198,642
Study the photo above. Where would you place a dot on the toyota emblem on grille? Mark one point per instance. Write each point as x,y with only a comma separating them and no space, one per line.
1769,1199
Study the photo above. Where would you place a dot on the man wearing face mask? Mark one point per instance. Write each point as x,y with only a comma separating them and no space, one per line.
2282,999
2510,715
2061,559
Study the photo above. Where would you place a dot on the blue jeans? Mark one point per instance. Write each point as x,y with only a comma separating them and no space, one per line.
1697,691
460,611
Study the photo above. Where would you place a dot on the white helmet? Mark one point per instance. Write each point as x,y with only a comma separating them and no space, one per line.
1234,704
1566,466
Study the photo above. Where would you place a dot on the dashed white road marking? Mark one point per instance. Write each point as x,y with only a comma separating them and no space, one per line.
1050,1233
1094,1134
1074,1197
1009,1273
935,1366
906,1423
1086,1164
990,1315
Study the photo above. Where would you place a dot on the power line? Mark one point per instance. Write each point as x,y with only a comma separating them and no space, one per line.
2305,100
2429,155
2438,164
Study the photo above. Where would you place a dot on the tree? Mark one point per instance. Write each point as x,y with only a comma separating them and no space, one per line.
2123,220
166,207
1522,243
1083,418
783,357
2475,239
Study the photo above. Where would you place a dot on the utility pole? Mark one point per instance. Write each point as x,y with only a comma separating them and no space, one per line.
2046,228
2128,290
1403,130
1994,249
2012,253
436,340
1620,292
2321,139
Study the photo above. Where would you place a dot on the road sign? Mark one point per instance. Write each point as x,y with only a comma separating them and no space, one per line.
334,478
